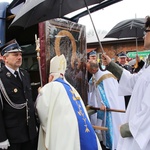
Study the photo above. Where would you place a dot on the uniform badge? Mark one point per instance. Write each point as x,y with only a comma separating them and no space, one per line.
8,74
15,90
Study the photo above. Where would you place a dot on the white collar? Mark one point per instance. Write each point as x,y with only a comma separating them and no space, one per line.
12,70
100,73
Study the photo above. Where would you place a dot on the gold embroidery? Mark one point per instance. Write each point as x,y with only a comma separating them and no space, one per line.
74,98
73,92
86,129
80,112
105,76
62,64
77,98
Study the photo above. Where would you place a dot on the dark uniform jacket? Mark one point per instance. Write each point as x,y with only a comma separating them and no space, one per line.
127,67
13,122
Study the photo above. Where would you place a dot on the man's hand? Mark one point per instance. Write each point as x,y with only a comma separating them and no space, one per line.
138,58
101,112
106,59
103,107
39,88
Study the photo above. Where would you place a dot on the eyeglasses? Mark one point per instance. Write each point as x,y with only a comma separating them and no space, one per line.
145,31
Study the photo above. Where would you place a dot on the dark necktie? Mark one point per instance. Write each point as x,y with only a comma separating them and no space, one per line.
17,76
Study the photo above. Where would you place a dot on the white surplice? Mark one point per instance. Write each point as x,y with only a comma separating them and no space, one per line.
115,102
59,126
138,111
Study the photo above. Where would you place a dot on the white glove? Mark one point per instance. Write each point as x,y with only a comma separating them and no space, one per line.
4,145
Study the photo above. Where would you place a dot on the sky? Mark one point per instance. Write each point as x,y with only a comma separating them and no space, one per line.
108,17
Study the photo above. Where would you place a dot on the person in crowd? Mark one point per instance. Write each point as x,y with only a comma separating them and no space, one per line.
137,64
17,118
135,128
91,56
63,117
122,61
104,94
1,61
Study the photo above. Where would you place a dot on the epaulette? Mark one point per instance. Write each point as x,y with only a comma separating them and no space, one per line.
23,69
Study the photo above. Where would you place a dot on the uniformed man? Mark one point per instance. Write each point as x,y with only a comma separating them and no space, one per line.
1,61
122,61
17,117
92,55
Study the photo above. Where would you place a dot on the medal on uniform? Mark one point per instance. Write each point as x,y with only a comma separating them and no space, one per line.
15,90
8,74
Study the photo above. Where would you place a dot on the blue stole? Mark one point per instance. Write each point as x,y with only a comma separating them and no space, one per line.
86,132
109,132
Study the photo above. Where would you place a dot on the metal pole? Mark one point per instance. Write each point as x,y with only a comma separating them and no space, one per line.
107,109
100,44
37,41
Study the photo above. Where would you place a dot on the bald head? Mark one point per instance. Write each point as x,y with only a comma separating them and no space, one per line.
92,66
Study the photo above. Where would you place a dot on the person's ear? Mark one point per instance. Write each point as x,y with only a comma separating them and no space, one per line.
51,77
4,58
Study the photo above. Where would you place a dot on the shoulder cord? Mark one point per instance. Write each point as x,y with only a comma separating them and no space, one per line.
15,106
1,100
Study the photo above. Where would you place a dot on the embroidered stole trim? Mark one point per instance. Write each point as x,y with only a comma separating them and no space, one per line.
105,76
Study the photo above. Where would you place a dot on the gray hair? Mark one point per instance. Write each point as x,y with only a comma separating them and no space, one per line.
93,64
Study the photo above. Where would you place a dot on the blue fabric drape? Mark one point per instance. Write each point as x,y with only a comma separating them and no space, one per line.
108,120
